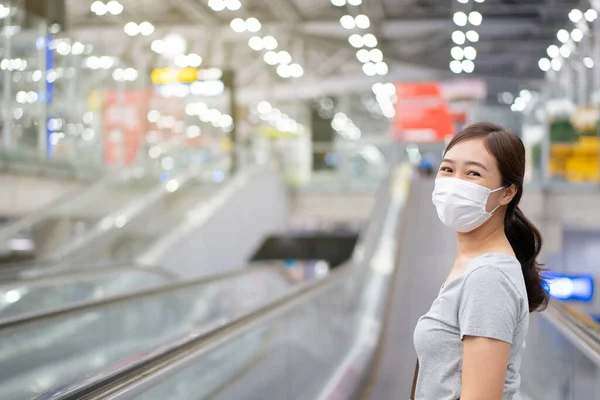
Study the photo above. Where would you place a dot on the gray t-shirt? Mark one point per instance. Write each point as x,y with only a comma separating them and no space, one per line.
489,299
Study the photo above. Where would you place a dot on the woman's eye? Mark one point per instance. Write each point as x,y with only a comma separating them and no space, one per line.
446,169
474,173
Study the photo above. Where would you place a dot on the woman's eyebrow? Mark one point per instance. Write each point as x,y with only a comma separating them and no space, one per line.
475,163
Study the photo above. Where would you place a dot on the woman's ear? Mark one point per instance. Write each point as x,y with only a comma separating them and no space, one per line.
509,194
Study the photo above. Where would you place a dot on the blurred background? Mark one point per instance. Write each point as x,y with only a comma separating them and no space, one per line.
257,174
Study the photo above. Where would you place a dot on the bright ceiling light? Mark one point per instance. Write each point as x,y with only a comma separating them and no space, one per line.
470,53
370,40
456,66
181,61
479,1
238,25
356,41
362,21
146,28
376,55
463,1
78,48
577,35
271,57
460,18
553,51
544,64
284,71
468,66
475,18
556,64
381,68
264,107
363,55
588,62
296,70
457,53
98,8
175,44
253,25
158,46
269,43
234,5
131,28
591,15
563,35
458,37
217,5
369,69
354,2
283,57
194,60
114,7
338,3
473,36
575,15
256,43
565,51
347,22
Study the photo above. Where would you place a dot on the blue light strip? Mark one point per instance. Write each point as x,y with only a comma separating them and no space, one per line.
570,287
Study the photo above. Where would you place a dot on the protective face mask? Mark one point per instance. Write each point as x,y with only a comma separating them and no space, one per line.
461,204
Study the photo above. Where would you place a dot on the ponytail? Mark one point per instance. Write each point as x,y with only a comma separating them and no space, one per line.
526,242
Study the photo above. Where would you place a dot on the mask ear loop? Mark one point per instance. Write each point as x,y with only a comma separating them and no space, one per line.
494,191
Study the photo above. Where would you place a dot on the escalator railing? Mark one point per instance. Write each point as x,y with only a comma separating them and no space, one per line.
315,341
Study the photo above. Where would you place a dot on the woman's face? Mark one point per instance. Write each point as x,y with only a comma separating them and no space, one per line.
469,160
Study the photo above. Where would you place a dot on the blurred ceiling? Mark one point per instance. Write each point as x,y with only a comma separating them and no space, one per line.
415,37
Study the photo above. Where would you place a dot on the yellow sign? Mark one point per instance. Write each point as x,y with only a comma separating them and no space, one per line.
164,76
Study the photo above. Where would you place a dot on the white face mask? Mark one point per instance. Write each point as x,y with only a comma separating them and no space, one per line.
461,204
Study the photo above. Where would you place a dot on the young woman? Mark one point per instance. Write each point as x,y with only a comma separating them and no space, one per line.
469,344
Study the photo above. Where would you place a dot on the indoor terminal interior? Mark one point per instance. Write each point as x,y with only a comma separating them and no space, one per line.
232,199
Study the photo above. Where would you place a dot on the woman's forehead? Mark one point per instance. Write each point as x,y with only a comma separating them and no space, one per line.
470,150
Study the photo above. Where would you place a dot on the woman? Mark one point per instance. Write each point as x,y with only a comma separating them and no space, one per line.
469,344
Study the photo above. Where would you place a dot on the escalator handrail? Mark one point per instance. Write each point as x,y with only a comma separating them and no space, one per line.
20,321
68,275
568,323
170,358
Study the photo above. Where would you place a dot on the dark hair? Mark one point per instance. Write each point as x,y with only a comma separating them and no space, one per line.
525,239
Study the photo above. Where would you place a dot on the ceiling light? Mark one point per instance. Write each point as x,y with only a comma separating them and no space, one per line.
158,46
354,2
234,5
283,57
460,18
370,40
468,66
253,25
78,48
269,43
470,53
591,15
473,36
381,68
256,43
463,1
376,55
181,61
131,28
362,21
588,62
296,70
544,64
238,25
456,66
363,55
217,5
458,37
457,53
271,57
556,64
577,35
565,51
347,22
146,28
98,8
284,71
575,15
114,7
563,35
369,69
356,41
553,51
175,44
479,1
264,107
338,3
475,18
194,60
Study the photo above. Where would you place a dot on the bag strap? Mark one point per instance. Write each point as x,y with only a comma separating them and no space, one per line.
414,385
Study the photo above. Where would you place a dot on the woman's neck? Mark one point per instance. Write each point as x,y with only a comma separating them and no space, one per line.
487,239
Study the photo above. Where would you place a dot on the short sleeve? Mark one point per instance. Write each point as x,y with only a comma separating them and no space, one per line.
489,305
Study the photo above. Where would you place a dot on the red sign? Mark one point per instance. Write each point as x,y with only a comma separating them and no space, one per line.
422,114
